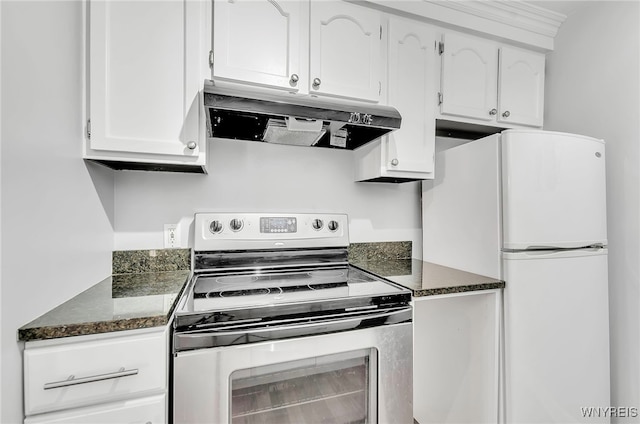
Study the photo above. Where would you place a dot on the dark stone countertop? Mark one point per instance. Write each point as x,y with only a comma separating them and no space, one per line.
120,302
426,278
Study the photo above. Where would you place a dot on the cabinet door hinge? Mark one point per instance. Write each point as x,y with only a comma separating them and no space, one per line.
89,129
439,98
440,48
381,32
211,59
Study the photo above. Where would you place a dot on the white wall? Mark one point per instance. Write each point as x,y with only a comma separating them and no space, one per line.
56,214
593,88
251,176
1,207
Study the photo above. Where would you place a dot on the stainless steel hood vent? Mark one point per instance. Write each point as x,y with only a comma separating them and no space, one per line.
294,119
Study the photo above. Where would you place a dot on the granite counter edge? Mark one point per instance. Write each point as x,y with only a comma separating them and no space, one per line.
456,289
100,327
90,328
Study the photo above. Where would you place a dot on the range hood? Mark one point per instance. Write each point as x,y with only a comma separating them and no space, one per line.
294,119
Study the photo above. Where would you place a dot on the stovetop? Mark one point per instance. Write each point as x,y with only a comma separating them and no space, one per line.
223,301
269,289
252,267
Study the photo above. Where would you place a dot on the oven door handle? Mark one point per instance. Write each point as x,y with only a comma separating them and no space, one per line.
200,339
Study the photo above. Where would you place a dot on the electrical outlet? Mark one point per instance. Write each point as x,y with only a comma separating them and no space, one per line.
171,236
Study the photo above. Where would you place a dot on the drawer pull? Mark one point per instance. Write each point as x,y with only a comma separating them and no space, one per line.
72,380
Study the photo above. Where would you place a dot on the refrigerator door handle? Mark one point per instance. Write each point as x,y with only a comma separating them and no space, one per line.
554,253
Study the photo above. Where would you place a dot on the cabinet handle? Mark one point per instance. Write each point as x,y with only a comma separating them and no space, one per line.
316,83
192,145
394,162
72,380
294,79
506,114
493,112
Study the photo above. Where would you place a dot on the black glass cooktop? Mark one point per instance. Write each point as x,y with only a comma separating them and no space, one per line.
259,289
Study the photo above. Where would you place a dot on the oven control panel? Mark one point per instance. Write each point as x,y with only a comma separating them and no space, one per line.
278,224
231,231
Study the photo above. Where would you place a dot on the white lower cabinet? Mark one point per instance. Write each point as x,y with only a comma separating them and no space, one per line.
456,357
147,410
111,377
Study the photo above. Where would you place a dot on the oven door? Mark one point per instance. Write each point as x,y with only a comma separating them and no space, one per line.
358,376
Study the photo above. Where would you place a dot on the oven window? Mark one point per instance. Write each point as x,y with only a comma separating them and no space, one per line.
336,389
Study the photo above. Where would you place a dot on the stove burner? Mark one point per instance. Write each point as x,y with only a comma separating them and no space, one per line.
237,279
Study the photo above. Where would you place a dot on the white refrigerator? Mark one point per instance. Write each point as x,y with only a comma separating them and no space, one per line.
529,207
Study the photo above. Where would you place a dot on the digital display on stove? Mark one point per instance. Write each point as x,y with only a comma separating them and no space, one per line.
278,225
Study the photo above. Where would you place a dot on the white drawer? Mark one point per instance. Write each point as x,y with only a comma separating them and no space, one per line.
137,411
103,370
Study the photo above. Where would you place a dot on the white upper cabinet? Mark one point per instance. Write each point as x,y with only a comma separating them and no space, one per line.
258,42
521,88
469,77
487,83
145,76
328,48
345,50
407,153
411,85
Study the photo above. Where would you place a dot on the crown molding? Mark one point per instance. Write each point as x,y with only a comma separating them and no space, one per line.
516,13
512,20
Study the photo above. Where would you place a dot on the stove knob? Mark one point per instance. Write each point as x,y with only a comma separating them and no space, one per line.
333,225
236,224
317,224
215,227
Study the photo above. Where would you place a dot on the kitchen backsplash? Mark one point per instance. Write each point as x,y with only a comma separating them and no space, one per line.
154,260
359,252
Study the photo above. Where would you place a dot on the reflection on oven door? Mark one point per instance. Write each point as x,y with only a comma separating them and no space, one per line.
328,389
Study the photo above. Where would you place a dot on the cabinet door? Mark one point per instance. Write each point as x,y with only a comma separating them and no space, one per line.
456,358
411,89
345,51
145,77
521,87
469,77
104,370
145,410
259,42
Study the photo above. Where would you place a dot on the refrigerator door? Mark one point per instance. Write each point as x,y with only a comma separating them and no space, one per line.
556,336
553,190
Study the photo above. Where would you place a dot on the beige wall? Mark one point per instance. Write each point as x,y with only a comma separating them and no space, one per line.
56,214
593,88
